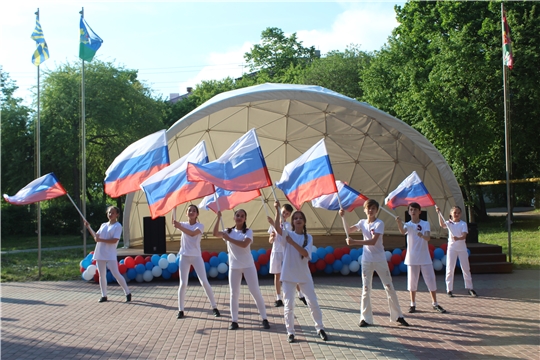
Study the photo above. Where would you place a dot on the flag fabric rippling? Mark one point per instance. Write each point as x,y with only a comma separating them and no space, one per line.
90,42
412,189
42,52
44,188
349,197
228,200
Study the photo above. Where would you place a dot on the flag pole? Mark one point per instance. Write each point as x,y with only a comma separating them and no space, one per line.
80,213
343,219
507,144
38,165
83,150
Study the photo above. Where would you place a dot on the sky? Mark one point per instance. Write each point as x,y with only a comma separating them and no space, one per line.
177,44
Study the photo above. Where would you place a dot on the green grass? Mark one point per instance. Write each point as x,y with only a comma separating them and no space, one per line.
31,242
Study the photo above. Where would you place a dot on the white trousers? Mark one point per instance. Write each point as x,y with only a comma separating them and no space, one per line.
413,274
288,299
451,259
366,312
198,265
102,266
235,280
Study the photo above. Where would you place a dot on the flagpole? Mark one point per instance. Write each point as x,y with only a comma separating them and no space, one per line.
38,165
341,207
507,145
80,213
83,150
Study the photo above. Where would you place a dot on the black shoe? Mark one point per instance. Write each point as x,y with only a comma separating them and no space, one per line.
472,293
450,294
216,312
401,322
303,299
103,299
180,315
278,303
233,326
322,335
266,325
363,323
412,309
128,297
439,309
290,339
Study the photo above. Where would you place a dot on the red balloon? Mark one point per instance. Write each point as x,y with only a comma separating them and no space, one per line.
122,268
263,259
268,251
175,275
346,250
312,267
147,259
395,259
329,259
91,252
338,253
82,269
94,262
431,247
432,253
139,260
444,247
206,256
390,266
403,254
96,277
257,266
191,268
129,262
213,254
320,264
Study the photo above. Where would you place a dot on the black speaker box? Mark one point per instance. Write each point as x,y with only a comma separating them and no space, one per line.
154,235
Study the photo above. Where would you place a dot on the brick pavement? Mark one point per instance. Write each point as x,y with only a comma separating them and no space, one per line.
63,320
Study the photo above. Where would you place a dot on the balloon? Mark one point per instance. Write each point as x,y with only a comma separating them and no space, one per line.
346,259
337,265
147,259
81,269
139,259
321,252
257,266
437,265
264,270
149,266
206,266
139,278
92,269
213,272
206,256
388,255
222,276
354,254
147,276
329,259
360,251
314,258
431,247
396,271
320,265
222,268
223,257
140,268
432,254
214,261
165,256
395,259
131,273
390,266
130,263
313,248
402,267
87,276
312,267
163,263
346,250
263,259
443,260
156,271
329,250
345,270
86,263
396,251
96,277
360,260
338,253
329,269
268,251
165,274
403,254
255,255
171,258
262,251
172,268
155,259
439,253
444,247
110,277
121,267
468,252
354,266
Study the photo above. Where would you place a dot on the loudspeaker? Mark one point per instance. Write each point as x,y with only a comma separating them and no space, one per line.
423,216
154,235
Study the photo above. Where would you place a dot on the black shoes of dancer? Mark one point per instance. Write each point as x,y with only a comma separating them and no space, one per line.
412,309
290,338
265,324
450,294
472,293
401,322
103,299
216,313
363,323
233,326
278,303
180,315
303,299
322,335
128,297
439,309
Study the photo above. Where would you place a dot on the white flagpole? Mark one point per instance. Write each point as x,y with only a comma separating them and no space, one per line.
38,165
80,213
218,209
388,211
343,219
83,149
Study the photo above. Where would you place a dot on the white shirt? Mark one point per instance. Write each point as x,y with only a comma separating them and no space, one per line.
107,251
191,245
417,247
458,229
277,246
239,257
372,253
295,268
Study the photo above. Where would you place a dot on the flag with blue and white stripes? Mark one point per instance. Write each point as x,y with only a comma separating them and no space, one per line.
42,52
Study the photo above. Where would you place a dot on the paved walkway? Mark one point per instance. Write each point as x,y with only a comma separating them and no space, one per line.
54,320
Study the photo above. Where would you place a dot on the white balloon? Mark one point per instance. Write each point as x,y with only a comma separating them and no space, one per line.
147,276
345,270
354,266
87,276
92,269
360,260
388,255
139,278
163,263
313,248
222,268
443,260
437,265
156,271
171,258
213,272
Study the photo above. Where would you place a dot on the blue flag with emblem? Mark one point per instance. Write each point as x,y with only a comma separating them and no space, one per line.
90,41
42,52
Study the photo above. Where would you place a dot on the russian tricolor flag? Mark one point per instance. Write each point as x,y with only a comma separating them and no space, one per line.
350,199
228,200
137,163
308,177
240,168
44,188
412,189
170,186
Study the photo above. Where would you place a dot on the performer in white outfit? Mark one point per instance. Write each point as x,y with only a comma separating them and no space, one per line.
239,239
295,270
457,248
107,238
190,255
374,260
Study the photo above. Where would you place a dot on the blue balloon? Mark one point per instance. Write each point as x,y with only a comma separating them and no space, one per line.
149,266
337,265
166,274
314,258
468,252
140,268
86,263
155,259
172,268
121,261
403,267
438,253
131,274
396,251
255,255
89,257
221,276
458,264
360,251
329,269
354,254
192,274
321,252
263,271
396,271
165,256
223,257
110,277
329,250
214,261
261,251
346,259
206,266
